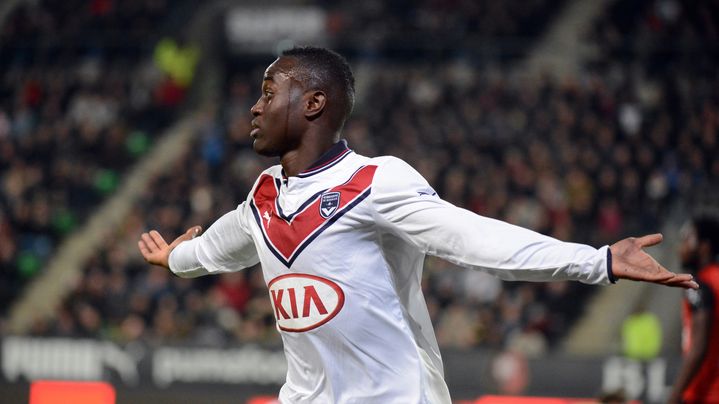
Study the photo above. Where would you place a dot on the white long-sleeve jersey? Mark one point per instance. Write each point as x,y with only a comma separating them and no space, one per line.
342,247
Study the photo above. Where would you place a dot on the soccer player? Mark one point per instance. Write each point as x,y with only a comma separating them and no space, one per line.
698,378
342,239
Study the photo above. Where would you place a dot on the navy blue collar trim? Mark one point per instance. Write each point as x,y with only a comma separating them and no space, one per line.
334,155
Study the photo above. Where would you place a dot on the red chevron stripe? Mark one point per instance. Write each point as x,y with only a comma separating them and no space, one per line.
286,237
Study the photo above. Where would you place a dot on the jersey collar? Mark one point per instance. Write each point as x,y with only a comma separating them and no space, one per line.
329,159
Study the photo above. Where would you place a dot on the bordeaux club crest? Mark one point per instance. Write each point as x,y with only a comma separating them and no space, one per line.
329,203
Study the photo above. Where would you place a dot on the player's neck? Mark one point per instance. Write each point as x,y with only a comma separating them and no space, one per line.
295,161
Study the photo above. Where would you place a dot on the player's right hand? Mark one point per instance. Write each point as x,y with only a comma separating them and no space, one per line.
155,249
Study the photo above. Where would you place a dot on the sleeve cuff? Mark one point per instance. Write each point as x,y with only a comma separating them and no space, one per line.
183,261
610,273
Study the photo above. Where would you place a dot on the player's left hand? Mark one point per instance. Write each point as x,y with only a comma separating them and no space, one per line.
630,261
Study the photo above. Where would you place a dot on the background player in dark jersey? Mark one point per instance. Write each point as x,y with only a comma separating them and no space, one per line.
698,379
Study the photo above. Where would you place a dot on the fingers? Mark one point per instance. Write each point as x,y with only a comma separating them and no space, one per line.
149,242
682,284
154,248
194,231
641,274
191,233
650,240
143,248
148,253
648,272
683,281
689,285
158,239
668,278
684,277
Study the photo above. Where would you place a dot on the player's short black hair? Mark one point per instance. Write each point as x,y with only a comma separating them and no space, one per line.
707,229
327,70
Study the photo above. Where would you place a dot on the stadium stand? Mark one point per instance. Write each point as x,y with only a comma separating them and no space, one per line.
413,30
589,158
80,102
617,147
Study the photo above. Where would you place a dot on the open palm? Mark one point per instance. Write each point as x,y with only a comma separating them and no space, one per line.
630,261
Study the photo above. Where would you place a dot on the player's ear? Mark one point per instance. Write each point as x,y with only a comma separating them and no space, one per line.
315,102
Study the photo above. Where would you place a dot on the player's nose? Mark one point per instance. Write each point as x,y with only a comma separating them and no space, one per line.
256,109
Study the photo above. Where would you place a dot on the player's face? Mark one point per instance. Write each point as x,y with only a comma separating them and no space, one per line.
275,127
688,247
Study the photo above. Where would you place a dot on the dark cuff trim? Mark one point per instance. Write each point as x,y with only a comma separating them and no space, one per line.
610,273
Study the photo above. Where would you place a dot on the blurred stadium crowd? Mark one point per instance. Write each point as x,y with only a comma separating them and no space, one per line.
588,158
79,103
416,29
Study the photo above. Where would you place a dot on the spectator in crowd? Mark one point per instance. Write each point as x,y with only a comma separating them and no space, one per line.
698,378
641,335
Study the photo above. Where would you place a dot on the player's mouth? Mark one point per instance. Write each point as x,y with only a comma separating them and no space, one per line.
255,130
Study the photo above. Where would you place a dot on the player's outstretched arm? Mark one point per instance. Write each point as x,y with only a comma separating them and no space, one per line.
630,261
155,249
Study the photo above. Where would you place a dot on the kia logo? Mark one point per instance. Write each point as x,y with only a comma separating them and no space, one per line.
304,302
